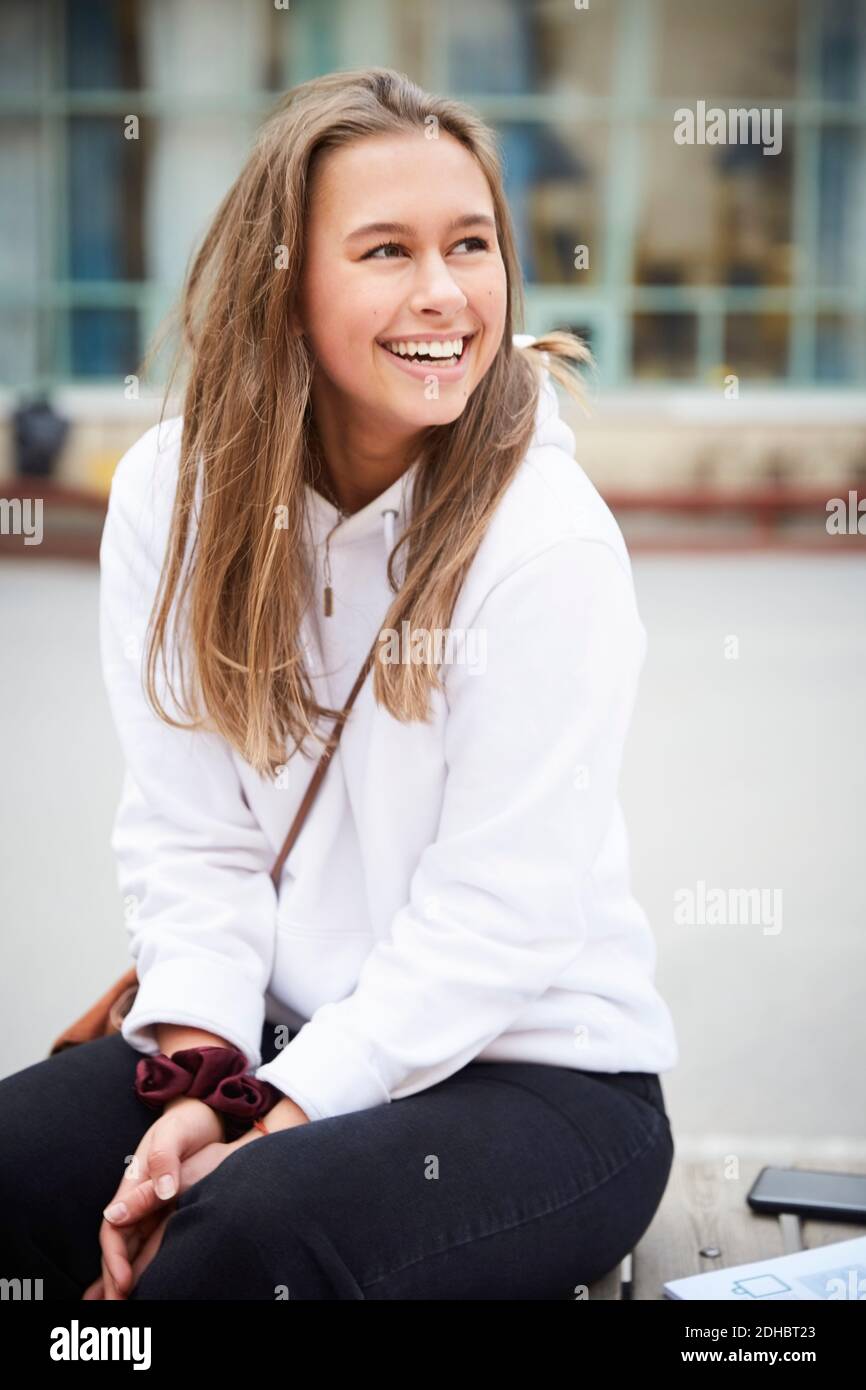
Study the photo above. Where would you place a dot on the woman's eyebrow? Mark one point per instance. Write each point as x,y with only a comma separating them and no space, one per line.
469,219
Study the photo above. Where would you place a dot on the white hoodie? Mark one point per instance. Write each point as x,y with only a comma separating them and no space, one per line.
460,889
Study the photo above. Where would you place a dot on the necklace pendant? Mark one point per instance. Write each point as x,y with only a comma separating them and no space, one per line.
329,601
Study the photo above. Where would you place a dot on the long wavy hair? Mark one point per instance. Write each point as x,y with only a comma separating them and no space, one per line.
248,438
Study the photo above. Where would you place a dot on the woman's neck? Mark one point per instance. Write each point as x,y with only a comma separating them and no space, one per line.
350,473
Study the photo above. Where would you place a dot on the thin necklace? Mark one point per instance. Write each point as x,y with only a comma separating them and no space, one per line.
330,496
323,486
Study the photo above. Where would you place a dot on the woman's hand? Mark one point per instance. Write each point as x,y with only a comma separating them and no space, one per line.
141,1230
130,1242
152,1182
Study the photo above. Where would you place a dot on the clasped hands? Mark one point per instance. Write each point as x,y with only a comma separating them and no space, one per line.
185,1144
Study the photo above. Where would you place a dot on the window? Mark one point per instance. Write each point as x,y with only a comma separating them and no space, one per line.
679,260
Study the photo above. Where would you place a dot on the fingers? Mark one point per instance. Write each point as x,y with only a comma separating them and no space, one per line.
131,1205
152,1178
120,1243
163,1168
151,1182
110,1291
150,1234
116,1262
117,1238
118,1277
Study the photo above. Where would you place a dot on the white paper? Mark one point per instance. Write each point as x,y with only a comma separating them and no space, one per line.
834,1272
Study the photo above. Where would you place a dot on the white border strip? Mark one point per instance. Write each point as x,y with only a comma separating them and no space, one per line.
770,1149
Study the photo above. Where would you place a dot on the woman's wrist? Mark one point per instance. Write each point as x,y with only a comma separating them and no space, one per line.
216,1076
172,1037
285,1115
218,1120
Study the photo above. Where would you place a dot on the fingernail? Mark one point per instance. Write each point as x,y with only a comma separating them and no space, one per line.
116,1212
165,1186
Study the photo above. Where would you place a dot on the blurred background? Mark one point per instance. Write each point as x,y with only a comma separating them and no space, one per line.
723,293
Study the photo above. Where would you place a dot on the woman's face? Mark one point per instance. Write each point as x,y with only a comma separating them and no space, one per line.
430,279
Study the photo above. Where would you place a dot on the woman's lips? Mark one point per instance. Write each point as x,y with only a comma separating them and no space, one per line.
420,370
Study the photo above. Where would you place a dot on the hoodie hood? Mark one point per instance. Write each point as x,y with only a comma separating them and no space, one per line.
388,514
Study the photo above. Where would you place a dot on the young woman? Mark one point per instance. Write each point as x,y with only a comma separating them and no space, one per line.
451,992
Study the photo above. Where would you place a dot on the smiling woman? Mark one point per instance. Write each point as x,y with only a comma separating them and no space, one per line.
383,208
430,292
471,1105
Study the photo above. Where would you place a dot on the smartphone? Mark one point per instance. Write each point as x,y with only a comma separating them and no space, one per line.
826,1196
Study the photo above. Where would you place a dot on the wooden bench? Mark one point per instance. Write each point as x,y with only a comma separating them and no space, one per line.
703,1210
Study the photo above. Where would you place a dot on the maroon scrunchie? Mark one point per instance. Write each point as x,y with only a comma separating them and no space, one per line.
213,1074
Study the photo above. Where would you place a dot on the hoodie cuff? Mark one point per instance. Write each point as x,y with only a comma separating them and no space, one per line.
324,1072
197,993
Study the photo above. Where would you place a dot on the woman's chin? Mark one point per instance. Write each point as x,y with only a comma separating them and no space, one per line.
441,410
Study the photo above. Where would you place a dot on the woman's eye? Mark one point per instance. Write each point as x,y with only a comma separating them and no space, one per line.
476,242
385,246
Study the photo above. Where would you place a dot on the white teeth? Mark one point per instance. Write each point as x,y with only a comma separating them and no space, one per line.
452,347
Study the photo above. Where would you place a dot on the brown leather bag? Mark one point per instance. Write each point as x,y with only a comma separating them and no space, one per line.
105,1016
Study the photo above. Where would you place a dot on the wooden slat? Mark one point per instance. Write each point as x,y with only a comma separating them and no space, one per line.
702,1208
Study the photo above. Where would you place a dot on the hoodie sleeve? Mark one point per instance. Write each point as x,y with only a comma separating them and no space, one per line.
496,910
193,866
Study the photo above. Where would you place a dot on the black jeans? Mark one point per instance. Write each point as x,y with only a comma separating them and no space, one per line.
508,1180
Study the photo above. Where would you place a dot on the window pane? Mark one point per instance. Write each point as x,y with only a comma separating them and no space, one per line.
21,223
104,342
490,46
102,44
554,181
514,46
756,345
842,205
573,49
664,345
215,49
23,46
409,25
272,51
739,50
843,50
840,348
138,207
713,214
105,192
19,346
181,46
191,164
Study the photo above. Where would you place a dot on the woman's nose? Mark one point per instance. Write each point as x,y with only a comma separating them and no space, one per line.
436,288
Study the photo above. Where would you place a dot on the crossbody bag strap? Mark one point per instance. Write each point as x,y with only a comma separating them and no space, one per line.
322,767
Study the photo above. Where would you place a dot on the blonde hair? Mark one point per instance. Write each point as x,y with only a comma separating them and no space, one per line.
247,426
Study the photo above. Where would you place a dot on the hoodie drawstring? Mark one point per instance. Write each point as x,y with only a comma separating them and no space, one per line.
388,525
328,597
